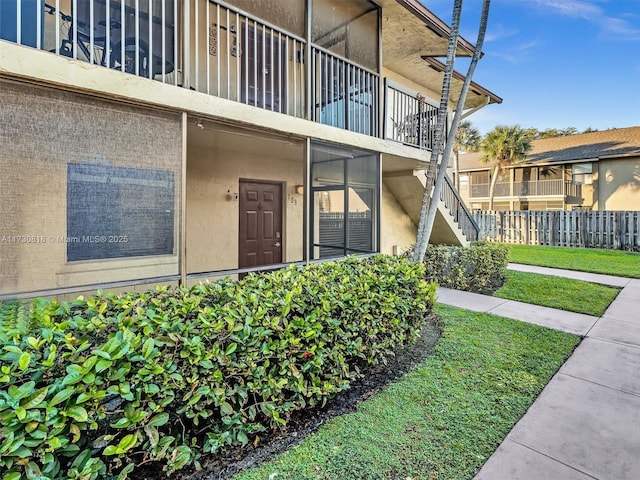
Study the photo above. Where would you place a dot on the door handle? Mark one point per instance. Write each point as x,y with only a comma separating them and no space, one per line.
277,244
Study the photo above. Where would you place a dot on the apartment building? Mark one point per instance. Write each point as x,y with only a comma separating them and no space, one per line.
589,171
166,141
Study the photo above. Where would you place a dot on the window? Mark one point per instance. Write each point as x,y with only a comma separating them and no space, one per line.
479,184
115,212
551,173
345,194
582,174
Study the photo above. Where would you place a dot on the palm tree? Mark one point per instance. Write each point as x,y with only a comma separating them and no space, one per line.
428,210
424,231
501,147
467,139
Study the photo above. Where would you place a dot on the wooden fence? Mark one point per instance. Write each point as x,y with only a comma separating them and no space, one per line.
618,230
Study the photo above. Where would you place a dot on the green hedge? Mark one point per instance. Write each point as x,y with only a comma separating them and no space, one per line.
92,388
480,268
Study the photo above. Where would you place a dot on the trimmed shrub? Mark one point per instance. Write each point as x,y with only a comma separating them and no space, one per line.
480,268
92,388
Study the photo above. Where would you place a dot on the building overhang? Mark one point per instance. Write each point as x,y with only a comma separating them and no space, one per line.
411,33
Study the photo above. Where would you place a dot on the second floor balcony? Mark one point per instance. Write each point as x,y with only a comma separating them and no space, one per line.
537,188
319,60
329,74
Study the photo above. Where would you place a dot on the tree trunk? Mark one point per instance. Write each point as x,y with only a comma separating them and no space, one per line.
492,187
433,205
422,238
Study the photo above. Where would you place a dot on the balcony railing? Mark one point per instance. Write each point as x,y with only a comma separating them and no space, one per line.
203,45
539,188
344,95
461,215
135,37
481,190
409,118
234,55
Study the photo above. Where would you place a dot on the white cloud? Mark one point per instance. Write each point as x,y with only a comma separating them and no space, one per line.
516,53
621,28
572,8
590,11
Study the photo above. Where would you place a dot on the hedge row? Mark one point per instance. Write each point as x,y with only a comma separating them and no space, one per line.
92,388
480,268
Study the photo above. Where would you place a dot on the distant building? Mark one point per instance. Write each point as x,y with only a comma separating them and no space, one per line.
590,171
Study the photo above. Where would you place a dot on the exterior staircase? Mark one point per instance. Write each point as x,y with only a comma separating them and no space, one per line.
453,224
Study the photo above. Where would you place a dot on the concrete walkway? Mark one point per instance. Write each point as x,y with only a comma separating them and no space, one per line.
586,422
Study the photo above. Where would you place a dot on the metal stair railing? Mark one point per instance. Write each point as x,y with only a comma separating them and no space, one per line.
459,211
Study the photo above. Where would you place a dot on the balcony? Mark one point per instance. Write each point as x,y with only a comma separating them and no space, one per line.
540,188
481,190
409,119
206,46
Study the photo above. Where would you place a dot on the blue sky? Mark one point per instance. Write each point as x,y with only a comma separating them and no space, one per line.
556,63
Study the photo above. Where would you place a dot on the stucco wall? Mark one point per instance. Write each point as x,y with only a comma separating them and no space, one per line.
46,130
618,184
397,228
213,170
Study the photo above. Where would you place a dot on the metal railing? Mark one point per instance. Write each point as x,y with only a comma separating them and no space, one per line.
409,118
534,188
203,45
234,55
458,210
539,187
137,37
481,190
572,190
344,94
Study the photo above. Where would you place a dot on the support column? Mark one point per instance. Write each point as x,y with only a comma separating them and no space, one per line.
183,205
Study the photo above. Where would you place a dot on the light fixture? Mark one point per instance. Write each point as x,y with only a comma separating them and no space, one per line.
299,189
200,125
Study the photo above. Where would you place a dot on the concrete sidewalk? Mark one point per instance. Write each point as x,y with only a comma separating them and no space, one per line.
586,422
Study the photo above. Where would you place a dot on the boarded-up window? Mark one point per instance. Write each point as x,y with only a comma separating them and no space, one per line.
115,212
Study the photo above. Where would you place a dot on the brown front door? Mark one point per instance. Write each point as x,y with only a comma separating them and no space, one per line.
260,223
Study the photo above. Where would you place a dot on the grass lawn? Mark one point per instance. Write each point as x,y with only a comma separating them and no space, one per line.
610,262
557,292
443,419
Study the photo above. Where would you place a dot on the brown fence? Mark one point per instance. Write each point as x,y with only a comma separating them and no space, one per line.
597,229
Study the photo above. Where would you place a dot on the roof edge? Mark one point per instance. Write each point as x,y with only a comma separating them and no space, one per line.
434,23
476,88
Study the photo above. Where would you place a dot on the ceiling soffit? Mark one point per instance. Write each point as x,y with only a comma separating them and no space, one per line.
409,33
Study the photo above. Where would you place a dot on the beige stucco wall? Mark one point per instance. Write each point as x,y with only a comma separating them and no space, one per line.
45,130
397,228
618,184
214,168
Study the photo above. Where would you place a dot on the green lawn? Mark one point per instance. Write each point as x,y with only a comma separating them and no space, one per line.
611,262
557,292
446,417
